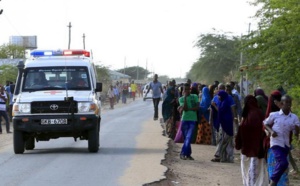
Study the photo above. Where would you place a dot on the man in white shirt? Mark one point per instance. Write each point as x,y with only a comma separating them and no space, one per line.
280,124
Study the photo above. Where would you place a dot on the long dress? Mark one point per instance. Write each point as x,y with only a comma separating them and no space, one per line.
249,140
204,129
225,146
167,112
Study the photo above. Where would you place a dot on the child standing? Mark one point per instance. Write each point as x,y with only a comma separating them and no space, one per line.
280,124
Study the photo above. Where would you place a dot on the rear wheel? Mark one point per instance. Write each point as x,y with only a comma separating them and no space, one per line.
93,140
19,142
30,143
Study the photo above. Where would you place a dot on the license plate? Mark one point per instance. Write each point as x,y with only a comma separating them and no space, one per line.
53,121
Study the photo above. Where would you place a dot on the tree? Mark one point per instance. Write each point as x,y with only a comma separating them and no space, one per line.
219,57
103,77
11,51
273,49
136,72
8,73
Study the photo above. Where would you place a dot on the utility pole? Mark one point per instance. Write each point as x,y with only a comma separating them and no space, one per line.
1,10
146,69
83,41
244,88
70,26
124,65
137,71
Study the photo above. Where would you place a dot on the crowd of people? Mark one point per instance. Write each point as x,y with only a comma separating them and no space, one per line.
123,91
258,126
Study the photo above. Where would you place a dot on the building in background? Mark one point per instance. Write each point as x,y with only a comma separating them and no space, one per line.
28,42
117,76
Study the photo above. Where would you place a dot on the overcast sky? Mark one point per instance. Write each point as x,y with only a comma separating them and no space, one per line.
155,34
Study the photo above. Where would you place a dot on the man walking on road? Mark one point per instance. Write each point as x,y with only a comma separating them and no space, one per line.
133,87
157,91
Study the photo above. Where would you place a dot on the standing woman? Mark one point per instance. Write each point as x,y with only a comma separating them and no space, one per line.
211,116
250,141
262,100
167,111
224,152
204,129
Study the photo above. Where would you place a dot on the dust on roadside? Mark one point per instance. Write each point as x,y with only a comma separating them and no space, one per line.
202,171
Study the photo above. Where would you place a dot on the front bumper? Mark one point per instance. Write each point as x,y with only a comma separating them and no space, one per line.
75,124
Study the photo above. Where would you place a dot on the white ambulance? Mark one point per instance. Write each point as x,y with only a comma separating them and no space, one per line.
56,95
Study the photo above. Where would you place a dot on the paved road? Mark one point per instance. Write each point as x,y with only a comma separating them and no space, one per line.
131,151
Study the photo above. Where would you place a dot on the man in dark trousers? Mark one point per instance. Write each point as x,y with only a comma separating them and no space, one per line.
157,91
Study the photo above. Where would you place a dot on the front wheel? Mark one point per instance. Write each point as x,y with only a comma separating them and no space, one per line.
93,140
19,142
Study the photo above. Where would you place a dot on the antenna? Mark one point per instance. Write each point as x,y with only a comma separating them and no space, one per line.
83,41
70,26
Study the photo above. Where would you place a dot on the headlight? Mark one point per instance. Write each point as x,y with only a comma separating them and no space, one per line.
21,108
86,107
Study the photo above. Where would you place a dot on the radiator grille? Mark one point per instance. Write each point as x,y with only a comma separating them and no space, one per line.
53,107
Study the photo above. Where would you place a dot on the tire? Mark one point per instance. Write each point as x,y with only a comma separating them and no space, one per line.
93,140
19,142
30,143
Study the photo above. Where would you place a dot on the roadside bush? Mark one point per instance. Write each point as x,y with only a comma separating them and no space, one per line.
295,93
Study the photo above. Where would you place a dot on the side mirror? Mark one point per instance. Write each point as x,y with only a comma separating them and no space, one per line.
98,87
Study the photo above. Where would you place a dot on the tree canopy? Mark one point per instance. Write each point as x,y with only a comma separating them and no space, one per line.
274,49
219,57
11,51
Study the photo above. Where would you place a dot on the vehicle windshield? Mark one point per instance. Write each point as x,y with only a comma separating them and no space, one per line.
56,78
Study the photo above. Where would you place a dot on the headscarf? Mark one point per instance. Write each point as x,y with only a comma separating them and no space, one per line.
195,84
272,107
260,92
250,134
225,113
275,95
262,100
167,104
205,102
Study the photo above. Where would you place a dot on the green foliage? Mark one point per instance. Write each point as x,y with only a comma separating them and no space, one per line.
103,77
294,93
11,51
136,72
219,57
275,45
8,73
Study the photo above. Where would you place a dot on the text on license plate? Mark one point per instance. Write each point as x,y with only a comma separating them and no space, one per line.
53,121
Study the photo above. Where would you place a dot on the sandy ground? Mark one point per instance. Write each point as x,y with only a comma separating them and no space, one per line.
203,172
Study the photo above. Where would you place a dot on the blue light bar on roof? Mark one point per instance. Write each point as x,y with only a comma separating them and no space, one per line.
40,53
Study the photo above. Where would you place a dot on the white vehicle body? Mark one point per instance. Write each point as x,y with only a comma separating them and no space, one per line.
59,97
